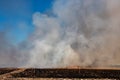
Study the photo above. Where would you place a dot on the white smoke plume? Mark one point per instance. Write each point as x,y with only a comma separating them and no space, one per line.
78,33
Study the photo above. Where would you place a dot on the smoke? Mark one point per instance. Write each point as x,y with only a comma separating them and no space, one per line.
77,33
10,55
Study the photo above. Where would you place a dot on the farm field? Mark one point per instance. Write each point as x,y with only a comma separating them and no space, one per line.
59,74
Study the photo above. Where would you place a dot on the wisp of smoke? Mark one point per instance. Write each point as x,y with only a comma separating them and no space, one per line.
77,33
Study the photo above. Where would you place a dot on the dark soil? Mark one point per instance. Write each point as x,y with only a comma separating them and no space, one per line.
69,73
6,70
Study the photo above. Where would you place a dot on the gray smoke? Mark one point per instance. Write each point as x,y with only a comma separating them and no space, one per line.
77,33
10,55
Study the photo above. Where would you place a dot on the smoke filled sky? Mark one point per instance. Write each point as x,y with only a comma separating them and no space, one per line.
16,17
59,33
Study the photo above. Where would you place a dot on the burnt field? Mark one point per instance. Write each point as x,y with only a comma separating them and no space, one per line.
60,73
6,70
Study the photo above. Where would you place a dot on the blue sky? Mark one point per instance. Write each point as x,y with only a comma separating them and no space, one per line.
16,17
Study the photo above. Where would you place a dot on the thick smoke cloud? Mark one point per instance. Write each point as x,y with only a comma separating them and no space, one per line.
78,33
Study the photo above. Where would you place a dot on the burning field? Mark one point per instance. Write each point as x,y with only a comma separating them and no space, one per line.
71,33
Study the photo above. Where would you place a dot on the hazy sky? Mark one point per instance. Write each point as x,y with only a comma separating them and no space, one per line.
16,17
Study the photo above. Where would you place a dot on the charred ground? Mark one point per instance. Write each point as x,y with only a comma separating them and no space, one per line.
59,73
